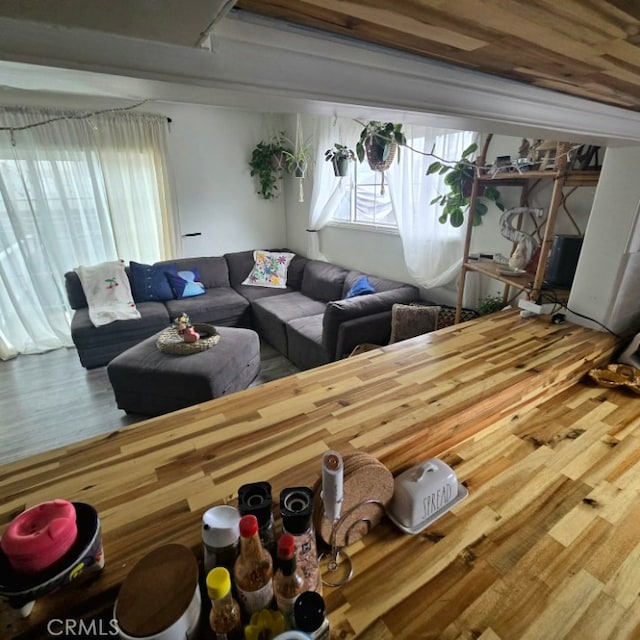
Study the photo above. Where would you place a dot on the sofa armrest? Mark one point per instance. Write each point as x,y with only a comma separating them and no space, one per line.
372,329
340,311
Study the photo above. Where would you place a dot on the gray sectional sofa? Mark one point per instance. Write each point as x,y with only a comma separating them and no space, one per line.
310,321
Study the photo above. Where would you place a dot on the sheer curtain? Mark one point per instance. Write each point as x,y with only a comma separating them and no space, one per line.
432,251
74,191
329,192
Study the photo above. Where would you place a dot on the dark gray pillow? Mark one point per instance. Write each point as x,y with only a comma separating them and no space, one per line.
323,281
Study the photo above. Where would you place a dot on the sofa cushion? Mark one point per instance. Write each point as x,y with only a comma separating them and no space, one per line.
304,340
323,281
255,293
272,313
213,270
221,305
97,346
149,283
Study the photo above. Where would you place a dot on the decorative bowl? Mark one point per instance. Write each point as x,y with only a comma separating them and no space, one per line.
617,375
21,590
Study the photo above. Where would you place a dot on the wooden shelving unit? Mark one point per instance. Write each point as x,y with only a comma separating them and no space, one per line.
530,282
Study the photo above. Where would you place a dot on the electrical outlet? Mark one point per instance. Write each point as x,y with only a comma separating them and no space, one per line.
539,309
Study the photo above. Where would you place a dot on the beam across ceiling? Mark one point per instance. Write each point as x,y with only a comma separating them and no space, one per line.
262,66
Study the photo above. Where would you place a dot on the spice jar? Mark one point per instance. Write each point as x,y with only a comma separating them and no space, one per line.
255,498
296,509
220,537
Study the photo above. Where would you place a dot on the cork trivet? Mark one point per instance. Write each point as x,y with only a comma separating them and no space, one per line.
157,591
364,478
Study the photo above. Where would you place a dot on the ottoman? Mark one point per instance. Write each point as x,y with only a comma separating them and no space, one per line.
150,382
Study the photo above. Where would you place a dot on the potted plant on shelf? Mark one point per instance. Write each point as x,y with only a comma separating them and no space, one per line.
459,177
267,162
339,155
379,141
490,304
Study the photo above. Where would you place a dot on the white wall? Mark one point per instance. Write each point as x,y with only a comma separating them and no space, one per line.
210,149
604,252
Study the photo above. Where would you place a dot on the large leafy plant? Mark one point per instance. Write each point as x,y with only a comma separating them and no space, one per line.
459,178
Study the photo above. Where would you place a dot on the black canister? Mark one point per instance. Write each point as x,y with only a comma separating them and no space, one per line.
309,615
255,499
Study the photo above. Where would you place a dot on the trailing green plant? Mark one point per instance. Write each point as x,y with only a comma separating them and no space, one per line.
490,304
267,163
381,135
459,178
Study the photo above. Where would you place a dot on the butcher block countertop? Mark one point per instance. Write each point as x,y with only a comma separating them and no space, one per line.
547,545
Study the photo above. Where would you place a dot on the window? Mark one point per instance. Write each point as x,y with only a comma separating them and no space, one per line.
71,193
365,203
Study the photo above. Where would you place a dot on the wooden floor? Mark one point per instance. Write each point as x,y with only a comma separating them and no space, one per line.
49,400
547,544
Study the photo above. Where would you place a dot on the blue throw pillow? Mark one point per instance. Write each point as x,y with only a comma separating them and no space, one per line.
149,282
186,284
360,287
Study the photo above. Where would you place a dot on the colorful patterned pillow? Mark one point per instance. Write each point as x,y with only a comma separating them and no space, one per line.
270,269
186,284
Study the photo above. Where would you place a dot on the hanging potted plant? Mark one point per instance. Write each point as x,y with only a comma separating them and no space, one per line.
339,155
297,161
459,177
267,163
298,157
379,141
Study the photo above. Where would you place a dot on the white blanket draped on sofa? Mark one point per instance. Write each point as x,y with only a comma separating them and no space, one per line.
108,292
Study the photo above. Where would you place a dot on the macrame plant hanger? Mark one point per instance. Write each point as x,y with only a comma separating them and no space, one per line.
300,168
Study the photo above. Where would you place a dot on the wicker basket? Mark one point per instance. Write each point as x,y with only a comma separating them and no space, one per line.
374,153
170,341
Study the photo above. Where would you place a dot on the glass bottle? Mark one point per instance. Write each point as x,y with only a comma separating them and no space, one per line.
288,580
253,570
296,509
309,615
225,620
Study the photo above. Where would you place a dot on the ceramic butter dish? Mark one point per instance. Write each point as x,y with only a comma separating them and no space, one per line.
424,493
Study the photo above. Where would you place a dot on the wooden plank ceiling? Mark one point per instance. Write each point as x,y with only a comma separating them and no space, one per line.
587,48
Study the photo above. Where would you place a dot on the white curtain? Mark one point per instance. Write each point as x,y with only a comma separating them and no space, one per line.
74,191
329,192
432,251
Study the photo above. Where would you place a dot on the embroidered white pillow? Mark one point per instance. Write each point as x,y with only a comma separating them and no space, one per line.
270,269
